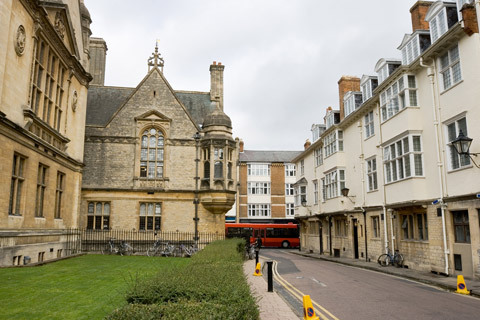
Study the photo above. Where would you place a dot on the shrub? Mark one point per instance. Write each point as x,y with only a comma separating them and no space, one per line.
212,286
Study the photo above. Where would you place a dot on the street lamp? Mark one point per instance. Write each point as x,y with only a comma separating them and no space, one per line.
196,137
462,146
344,192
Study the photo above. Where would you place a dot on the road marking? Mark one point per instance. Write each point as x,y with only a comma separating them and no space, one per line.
320,283
324,313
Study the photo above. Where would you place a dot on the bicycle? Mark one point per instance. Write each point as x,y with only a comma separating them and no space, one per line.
156,248
110,247
387,259
125,249
187,251
168,250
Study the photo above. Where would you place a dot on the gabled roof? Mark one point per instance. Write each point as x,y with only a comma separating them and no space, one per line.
103,102
268,156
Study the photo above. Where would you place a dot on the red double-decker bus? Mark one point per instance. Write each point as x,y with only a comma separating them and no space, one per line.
272,235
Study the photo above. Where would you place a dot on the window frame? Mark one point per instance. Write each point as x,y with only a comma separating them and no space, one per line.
464,224
448,71
42,181
152,164
375,226
455,160
289,210
333,143
16,185
318,154
396,168
258,188
401,94
332,184
150,220
258,169
369,124
98,219
371,172
411,229
59,190
290,170
289,189
259,210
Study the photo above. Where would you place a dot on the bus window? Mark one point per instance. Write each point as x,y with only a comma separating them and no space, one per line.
258,233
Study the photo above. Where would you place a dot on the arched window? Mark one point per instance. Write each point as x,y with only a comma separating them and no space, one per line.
151,154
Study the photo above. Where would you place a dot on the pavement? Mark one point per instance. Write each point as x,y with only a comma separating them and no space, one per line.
273,307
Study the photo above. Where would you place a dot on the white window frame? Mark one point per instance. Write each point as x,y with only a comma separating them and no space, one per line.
403,159
259,210
258,169
333,142
289,190
372,179
290,170
289,210
438,24
258,188
398,96
411,50
333,183
369,125
302,167
450,67
315,192
300,194
367,90
318,153
456,161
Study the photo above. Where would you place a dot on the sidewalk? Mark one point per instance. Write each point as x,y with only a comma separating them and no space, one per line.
270,304
448,283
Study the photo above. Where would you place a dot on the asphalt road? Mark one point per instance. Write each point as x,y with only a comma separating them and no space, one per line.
343,292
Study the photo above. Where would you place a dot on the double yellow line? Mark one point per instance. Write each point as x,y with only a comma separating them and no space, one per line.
323,313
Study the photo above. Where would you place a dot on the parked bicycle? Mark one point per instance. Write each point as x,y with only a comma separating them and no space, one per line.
187,251
168,250
124,248
156,249
387,259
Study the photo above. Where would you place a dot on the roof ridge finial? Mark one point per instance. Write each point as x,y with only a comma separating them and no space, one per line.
156,60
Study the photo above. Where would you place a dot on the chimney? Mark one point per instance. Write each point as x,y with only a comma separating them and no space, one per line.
307,144
470,22
418,12
240,146
345,84
216,83
98,54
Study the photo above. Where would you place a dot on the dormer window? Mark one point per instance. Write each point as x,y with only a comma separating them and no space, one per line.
414,45
351,102
332,117
367,85
441,16
385,68
317,130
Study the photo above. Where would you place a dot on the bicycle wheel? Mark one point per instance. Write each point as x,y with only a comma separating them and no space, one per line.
384,260
398,260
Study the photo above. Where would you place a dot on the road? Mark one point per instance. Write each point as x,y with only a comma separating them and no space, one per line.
343,292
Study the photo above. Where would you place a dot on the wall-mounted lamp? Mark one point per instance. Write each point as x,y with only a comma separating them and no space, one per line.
304,202
462,146
345,194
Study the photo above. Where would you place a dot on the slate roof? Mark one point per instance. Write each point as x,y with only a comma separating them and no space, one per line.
103,102
197,103
268,156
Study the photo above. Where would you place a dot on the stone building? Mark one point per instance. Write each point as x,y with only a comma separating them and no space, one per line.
156,158
43,95
385,175
266,181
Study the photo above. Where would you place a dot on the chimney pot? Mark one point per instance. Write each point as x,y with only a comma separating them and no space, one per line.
418,13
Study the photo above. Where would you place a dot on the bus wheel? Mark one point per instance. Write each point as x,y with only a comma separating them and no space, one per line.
285,244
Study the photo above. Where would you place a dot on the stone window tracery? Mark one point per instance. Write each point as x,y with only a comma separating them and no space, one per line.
152,154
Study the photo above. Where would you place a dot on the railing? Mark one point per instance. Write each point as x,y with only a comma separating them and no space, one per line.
87,240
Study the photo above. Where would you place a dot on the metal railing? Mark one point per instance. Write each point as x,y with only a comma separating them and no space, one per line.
88,240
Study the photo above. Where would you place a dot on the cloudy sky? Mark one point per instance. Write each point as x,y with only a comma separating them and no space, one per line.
282,58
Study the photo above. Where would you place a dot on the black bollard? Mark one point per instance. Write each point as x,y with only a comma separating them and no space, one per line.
256,257
270,276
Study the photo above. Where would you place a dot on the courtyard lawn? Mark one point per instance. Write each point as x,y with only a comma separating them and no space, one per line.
85,287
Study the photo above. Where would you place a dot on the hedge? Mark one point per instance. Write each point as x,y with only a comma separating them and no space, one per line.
212,286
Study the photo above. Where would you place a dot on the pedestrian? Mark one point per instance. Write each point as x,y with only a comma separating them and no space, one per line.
258,243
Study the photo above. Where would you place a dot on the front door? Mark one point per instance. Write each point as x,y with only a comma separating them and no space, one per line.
355,237
320,235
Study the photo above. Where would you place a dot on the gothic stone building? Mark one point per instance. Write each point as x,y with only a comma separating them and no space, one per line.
43,94
145,148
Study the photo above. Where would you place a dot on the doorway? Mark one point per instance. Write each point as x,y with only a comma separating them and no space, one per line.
355,237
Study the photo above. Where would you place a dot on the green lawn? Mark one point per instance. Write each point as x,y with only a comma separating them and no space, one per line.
86,287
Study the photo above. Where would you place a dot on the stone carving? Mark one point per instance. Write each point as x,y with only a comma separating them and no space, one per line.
74,101
20,40
60,25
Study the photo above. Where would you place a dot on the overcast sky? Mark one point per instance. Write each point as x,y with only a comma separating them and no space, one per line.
282,58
